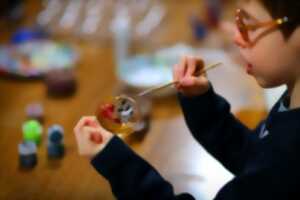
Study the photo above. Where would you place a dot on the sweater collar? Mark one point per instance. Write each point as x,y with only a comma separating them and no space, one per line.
291,116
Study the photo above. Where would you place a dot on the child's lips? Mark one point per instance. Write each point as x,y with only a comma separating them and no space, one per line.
249,68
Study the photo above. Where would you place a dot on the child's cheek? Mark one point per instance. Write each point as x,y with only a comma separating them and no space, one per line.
267,62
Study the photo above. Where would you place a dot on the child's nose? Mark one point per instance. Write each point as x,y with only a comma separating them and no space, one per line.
238,39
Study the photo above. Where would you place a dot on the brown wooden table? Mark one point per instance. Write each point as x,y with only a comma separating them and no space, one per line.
168,145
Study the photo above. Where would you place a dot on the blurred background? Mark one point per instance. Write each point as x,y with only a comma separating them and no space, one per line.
62,59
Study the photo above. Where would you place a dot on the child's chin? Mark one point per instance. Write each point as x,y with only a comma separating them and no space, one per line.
265,84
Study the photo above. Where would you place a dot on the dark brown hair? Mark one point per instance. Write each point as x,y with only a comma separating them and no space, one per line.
282,8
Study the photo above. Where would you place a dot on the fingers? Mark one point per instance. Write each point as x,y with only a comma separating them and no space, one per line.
90,136
193,81
93,134
92,121
96,138
182,67
189,82
177,75
79,125
86,121
191,63
195,66
89,123
179,71
88,129
200,67
188,67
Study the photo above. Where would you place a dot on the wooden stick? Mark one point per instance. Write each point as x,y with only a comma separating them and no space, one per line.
156,88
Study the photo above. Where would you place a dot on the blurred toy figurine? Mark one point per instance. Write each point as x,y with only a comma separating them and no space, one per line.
55,144
27,155
35,111
32,131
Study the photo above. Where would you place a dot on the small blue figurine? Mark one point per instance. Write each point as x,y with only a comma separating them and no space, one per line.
27,155
199,27
55,142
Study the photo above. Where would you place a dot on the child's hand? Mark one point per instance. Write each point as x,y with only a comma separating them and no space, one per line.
91,137
186,74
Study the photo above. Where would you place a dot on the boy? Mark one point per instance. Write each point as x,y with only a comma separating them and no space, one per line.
265,160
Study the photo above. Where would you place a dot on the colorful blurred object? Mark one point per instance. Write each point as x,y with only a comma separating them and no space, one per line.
27,34
34,58
27,155
199,27
106,115
55,144
35,111
32,131
124,115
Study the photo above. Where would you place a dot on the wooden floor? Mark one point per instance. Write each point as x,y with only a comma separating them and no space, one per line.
168,145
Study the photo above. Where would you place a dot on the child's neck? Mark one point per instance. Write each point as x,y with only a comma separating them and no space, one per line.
294,93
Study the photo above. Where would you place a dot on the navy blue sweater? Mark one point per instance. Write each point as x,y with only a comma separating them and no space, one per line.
265,168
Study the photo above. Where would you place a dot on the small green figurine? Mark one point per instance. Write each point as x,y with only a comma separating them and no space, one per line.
32,131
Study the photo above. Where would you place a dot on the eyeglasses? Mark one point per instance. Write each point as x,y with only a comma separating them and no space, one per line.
245,23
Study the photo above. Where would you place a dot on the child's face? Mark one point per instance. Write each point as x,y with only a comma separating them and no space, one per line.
272,60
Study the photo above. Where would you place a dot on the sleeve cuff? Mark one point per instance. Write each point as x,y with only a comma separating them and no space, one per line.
113,156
